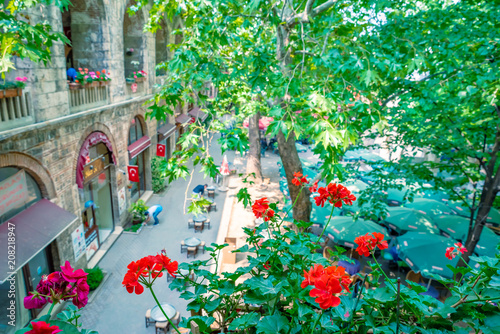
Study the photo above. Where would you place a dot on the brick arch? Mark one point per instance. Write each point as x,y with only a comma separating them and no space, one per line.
34,168
96,127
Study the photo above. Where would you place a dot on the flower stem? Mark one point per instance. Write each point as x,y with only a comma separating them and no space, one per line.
316,322
50,309
163,311
327,223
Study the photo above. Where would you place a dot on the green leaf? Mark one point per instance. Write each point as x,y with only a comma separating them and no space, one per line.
273,324
245,321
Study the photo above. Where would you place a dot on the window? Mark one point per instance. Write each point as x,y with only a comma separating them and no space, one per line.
33,194
136,133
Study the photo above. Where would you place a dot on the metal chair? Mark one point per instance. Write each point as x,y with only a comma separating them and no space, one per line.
207,223
176,319
202,246
148,319
192,251
190,223
183,246
211,193
198,226
213,206
162,327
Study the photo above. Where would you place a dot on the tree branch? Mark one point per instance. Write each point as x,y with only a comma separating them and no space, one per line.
309,13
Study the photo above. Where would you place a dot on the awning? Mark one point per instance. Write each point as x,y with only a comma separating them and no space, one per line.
166,130
138,146
197,113
34,229
182,119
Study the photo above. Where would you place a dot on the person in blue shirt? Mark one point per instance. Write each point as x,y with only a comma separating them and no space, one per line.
200,189
153,212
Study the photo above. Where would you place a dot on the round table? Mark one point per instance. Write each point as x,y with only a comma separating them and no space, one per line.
199,218
192,242
157,314
211,188
351,268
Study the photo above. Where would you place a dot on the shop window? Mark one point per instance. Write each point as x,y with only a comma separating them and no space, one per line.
161,47
133,42
135,133
13,200
83,24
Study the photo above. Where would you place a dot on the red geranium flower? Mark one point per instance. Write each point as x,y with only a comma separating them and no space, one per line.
41,327
314,187
298,179
267,266
143,272
334,193
328,283
367,243
261,209
451,252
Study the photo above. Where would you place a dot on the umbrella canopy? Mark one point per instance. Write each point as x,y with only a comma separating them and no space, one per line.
405,219
343,230
464,211
320,215
436,195
308,164
430,207
397,196
224,168
458,227
425,253
365,155
300,148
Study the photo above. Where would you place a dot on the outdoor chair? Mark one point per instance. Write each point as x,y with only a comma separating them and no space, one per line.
182,330
213,207
183,246
207,223
190,223
162,327
323,244
148,319
192,251
198,226
176,319
414,277
202,246
211,193
327,251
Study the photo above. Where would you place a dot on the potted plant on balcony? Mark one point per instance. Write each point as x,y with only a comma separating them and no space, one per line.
104,78
140,76
138,211
13,89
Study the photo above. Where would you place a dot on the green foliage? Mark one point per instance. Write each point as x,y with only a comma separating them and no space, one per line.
22,36
94,277
158,165
138,210
244,197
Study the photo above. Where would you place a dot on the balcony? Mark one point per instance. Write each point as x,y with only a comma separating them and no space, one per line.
16,111
87,97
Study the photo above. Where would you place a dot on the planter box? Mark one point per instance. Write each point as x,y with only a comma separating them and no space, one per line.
140,79
13,92
74,86
94,84
104,83
129,81
136,232
2,94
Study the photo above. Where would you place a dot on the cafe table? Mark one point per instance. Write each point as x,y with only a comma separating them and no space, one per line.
157,314
192,242
199,218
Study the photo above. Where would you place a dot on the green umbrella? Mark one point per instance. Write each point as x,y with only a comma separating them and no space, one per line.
308,164
458,227
320,215
425,253
462,210
300,148
432,194
430,207
405,219
343,230
351,156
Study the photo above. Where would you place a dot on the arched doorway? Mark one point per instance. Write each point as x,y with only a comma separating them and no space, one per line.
134,44
95,168
138,143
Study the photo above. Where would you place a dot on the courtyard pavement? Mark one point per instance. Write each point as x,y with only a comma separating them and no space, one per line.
114,310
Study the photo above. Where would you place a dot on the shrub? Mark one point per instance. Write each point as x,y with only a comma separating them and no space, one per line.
158,166
94,277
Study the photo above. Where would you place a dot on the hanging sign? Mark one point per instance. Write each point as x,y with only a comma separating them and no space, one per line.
79,244
160,150
133,173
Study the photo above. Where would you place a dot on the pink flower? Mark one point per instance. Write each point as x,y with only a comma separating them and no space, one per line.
451,252
41,327
135,76
72,275
34,301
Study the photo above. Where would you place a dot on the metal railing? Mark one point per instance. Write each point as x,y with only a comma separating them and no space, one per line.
16,111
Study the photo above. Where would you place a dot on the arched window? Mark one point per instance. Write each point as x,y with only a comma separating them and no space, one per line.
133,42
14,179
136,133
161,47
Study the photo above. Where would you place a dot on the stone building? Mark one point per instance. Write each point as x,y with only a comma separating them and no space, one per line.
64,152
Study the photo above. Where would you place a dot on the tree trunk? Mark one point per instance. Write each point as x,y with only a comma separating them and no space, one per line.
253,159
291,164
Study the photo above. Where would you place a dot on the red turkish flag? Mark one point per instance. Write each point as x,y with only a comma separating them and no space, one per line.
133,173
160,150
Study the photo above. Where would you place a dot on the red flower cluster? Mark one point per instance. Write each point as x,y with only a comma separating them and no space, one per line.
146,270
451,253
60,285
366,243
328,283
41,327
299,180
261,209
335,194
